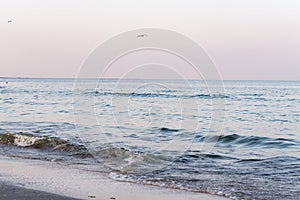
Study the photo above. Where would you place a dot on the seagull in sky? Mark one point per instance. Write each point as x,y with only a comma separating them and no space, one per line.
141,35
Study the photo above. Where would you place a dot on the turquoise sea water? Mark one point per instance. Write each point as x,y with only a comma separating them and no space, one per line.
162,132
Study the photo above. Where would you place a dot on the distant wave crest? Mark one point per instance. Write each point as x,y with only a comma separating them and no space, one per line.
162,95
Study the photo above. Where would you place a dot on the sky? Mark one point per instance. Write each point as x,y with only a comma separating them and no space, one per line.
246,39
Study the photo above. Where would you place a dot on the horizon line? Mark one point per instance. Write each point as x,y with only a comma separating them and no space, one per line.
111,78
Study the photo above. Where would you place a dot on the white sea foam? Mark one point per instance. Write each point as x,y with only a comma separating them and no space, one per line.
25,141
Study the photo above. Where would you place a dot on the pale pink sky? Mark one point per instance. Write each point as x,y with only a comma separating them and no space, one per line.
254,39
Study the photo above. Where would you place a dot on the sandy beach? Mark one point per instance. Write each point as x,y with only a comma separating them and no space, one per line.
35,179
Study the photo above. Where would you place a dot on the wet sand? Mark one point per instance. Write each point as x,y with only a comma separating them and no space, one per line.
18,193
35,179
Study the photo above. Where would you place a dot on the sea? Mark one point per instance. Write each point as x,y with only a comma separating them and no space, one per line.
241,141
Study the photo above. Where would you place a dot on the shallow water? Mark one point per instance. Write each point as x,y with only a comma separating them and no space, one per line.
162,133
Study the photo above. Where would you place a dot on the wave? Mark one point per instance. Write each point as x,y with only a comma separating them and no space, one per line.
165,129
251,94
129,159
128,155
162,95
26,140
248,141
278,160
15,90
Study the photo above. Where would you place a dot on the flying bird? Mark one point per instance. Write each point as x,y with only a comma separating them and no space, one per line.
9,21
141,35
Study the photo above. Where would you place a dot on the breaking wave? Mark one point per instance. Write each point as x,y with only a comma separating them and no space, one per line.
27,140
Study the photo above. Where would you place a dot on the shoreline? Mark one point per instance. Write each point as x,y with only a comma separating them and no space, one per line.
49,180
